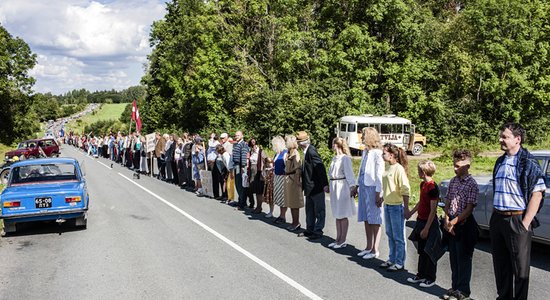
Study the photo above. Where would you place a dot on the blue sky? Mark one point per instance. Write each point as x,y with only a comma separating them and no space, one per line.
96,45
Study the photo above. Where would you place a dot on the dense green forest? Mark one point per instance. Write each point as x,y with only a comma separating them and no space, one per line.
458,69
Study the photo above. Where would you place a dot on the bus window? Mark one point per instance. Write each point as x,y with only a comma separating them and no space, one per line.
351,127
343,127
360,127
385,128
397,128
407,128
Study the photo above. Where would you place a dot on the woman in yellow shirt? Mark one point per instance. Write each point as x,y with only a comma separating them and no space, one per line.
395,188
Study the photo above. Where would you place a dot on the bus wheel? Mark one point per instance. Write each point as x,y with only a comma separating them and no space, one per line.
417,149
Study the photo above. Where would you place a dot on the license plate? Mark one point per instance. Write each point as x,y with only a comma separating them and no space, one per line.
43,202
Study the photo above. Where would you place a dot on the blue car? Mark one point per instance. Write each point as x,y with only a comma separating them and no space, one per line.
42,190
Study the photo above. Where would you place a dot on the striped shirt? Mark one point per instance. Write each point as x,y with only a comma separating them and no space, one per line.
461,192
240,152
508,195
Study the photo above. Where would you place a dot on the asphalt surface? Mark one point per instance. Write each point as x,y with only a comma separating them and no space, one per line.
147,239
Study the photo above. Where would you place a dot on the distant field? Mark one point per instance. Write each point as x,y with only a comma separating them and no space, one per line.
106,112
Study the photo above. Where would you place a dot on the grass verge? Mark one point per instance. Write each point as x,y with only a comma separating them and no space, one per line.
105,113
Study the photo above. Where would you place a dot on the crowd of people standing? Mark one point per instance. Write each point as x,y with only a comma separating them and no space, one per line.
244,176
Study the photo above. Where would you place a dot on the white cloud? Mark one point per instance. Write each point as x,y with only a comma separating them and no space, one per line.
84,44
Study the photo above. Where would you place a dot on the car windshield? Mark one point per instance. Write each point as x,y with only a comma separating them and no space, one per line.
43,172
22,145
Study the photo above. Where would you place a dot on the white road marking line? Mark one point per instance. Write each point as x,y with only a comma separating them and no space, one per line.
91,158
106,166
265,265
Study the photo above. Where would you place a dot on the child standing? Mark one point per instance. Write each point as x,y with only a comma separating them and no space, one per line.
395,188
426,229
460,224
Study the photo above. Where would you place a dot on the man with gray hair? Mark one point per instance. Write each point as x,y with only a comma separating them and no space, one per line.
315,185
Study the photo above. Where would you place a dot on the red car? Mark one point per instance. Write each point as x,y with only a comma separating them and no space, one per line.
30,148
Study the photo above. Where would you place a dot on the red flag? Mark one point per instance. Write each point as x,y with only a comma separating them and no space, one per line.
138,120
134,109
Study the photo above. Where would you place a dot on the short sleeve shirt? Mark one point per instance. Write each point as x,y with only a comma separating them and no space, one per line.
461,192
508,195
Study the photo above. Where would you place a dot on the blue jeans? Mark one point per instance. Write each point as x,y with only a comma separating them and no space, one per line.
395,230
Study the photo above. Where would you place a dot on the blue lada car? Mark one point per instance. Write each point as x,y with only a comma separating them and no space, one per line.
42,190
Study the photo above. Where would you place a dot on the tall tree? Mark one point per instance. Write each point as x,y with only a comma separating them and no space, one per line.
16,117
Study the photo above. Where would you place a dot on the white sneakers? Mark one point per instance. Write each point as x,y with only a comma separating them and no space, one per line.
395,267
364,252
338,246
269,215
335,245
371,255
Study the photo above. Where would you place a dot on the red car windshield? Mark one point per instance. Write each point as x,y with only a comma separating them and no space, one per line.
43,172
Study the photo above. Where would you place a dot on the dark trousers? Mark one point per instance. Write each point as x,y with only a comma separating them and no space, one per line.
161,167
136,158
461,264
240,189
427,269
181,172
187,166
218,182
250,196
175,171
511,250
315,213
128,158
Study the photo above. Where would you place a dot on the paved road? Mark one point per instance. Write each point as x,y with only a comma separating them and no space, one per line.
150,240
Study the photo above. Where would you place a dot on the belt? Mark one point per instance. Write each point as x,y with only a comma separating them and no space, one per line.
338,178
509,212
290,173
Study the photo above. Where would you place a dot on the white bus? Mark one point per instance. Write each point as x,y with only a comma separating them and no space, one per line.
392,129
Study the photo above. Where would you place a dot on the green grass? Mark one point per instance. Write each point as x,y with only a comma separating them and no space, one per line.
106,112
4,149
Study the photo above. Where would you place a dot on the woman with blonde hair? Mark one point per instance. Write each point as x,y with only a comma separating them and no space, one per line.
294,196
369,182
342,189
278,145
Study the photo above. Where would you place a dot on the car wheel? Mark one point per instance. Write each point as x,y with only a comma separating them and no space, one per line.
9,228
417,149
81,222
4,176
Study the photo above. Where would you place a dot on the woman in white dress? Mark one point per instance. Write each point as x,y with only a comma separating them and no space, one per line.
342,187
